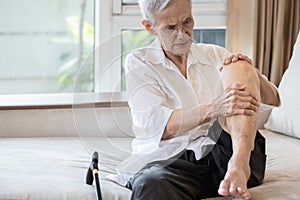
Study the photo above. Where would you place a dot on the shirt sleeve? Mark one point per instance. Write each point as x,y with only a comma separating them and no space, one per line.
149,106
219,55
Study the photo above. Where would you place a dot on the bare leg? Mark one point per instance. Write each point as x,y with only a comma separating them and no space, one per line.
242,129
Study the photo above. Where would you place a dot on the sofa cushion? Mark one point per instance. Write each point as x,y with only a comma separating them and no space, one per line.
282,170
285,119
55,168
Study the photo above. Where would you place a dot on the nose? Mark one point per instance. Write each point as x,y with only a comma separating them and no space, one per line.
180,33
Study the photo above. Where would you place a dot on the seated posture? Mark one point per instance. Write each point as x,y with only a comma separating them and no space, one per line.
194,109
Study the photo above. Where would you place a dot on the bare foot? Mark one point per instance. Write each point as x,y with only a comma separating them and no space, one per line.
235,180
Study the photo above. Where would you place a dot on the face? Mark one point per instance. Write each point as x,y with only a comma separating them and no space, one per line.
174,27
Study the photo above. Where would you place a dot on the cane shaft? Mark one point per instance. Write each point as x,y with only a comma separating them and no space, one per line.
98,190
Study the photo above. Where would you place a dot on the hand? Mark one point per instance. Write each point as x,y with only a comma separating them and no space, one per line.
235,58
235,100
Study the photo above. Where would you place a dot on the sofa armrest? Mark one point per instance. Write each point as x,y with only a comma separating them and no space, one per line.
85,122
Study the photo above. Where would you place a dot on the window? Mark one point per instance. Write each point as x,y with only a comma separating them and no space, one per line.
124,24
135,38
39,46
210,19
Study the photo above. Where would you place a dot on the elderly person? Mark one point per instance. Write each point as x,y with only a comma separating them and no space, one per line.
194,109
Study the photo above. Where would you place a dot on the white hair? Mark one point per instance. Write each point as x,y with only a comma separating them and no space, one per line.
148,7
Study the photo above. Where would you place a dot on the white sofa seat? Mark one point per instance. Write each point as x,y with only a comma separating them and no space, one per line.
55,168
282,178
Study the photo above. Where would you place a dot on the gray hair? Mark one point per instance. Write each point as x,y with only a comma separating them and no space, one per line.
148,7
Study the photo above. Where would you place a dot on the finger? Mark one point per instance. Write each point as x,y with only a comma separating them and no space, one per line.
233,94
243,57
241,108
234,112
221,68
252,101
236,86
243,93
235,58
237,92
246,58
227,61
247,112
243,97
244,112
247,106
246,96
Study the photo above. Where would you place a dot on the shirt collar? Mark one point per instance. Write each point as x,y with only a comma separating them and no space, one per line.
155,55
198,54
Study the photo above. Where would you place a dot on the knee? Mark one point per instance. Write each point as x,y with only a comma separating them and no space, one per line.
240,67
145,180
147,186
239,72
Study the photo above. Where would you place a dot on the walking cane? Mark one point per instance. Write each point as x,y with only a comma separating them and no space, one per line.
92,174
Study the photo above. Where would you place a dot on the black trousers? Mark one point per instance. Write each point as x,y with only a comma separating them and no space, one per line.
188,178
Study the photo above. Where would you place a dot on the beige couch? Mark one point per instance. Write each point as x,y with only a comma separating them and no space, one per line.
55,167
50,161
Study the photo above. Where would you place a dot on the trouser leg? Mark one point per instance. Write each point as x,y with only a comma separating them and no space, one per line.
222,152
187,178
170,183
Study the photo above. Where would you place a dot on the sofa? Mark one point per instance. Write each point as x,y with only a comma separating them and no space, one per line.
45,153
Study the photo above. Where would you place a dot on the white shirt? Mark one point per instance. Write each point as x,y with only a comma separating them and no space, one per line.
155,88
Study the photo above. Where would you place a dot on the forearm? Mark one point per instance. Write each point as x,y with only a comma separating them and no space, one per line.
183,120
235,100
268,92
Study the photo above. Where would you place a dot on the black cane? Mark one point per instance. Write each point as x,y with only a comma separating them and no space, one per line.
92,174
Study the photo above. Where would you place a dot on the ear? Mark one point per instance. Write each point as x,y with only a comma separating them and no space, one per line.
148,26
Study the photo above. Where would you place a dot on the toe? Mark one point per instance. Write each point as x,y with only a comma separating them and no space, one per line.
244,193
234,191
241,190
224,188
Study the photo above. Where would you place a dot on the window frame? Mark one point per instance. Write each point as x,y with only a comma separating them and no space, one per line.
62,101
